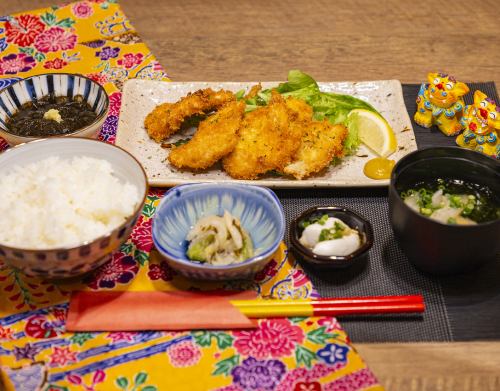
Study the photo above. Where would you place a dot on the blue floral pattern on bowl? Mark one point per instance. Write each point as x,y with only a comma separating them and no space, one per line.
73,261
19,93
258,209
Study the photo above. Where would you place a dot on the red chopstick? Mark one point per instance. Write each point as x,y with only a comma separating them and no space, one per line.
369,309
367,300
331,306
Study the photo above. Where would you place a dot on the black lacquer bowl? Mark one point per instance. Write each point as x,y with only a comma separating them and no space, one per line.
323,262
432,246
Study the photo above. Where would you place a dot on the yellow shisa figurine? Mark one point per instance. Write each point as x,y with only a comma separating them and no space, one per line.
441,103
481,122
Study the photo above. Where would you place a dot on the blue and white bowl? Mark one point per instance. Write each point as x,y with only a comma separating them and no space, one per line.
66,262
258,209
25,91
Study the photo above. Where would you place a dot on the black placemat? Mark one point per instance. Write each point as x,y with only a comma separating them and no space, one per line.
458,308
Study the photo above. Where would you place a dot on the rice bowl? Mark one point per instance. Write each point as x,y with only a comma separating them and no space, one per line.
72,247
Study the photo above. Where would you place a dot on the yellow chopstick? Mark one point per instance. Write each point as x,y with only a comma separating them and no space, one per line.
260,308
270,311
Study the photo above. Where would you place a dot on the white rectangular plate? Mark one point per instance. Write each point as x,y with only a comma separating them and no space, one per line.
141,96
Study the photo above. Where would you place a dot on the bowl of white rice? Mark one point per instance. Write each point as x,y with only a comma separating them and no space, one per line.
67,204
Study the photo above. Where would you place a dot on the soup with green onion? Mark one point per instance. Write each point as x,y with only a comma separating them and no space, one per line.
452,201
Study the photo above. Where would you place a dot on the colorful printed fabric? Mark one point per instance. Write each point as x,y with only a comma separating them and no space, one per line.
95,38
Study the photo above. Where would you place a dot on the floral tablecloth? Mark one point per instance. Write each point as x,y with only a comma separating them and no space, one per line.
96,39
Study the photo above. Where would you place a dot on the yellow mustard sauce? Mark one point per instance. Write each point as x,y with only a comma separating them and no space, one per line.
379,168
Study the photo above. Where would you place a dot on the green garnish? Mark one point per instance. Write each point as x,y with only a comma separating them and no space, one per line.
182,141
206,244
193,121
451,220
336,161
468,208
304,224
475,202
426,211
275,173
455,201
336,232
196,251
323,219
240,94
320,220
425,201
247,251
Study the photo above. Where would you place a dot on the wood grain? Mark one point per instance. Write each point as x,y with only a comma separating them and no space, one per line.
332,40
435,366
336,40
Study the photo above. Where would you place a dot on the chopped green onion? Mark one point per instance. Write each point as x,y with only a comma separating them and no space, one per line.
336,232
339,226
323,219
455,201
304,224
425,200
468,209
426,211
320,220
329,234
325,234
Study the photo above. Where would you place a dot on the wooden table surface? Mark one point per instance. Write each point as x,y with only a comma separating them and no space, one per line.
334,41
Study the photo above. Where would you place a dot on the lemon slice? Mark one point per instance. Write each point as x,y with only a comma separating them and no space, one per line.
373,131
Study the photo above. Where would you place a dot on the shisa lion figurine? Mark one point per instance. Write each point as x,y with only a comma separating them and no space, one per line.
441,103
481,121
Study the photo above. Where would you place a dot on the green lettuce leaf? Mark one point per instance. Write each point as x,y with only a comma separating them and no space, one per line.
336,107
325,105
239,94
297,80
299,85
352,141
307,93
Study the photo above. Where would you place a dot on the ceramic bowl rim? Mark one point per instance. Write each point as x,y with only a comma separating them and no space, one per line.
333,260
205,266
137,209
395,176
74,133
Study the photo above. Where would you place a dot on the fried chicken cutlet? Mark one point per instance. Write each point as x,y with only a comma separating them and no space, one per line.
301,108
156,121
215,138
166,119
321,142
266,142
252,93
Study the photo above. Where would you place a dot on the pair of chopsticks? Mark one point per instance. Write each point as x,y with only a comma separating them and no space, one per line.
261,308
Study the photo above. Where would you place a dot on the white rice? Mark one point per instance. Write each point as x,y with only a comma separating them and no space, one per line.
57,203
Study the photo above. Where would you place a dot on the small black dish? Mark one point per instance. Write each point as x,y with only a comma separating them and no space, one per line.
323,262
431,246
